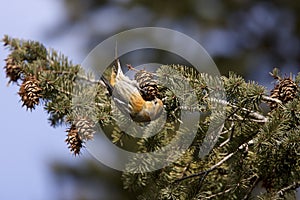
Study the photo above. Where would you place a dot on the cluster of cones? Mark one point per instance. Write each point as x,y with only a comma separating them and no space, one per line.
81,129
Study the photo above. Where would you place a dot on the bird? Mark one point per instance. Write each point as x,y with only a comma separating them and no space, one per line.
127,96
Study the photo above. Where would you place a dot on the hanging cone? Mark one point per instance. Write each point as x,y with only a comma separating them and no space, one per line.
85,128
148,84
30,92
12,70
284,91
73,140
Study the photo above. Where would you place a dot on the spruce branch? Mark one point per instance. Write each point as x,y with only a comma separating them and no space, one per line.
218,164
284,190
270,99
251,147
231,130
218,194
254,184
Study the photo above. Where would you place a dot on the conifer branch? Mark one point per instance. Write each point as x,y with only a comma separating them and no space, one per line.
217,164
251,188
270,99
219,193
231,129
50,78
284,190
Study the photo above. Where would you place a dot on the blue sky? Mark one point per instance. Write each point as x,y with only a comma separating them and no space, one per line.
28,143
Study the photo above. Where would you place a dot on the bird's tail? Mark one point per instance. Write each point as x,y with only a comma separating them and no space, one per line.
119,70
115,72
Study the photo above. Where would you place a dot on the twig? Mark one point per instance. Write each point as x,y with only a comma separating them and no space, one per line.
217,164
253,120
90,80
78,76
65,92
72,94
220,193
130,67
210,169
230,137
294,186
270,99
256,117
251,188
267,98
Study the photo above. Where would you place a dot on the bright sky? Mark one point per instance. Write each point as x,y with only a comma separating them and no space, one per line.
28,143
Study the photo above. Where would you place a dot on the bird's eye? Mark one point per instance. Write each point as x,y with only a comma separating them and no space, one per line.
155,101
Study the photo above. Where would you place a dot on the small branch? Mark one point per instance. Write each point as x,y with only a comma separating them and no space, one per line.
220,193
270,99
231,129
90,80
233,188
70,94
78,76
251,188
130,67
65,92
294,186
238,117
210,169
256,117
217,164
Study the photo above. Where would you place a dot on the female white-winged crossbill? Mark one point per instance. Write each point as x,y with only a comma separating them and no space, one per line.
127,96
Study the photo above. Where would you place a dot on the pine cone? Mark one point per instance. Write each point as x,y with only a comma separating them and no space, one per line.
30,92
148,84
85,128
284,91
12,70
73,140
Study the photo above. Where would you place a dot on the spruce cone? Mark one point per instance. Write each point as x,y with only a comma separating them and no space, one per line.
148,84
30,92
12,70
85,128
285,91
73,140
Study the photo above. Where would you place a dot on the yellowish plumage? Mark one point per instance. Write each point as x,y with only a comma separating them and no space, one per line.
126,94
